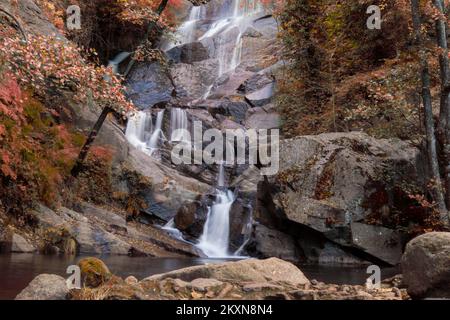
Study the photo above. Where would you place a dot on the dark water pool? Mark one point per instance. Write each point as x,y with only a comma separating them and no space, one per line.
17,270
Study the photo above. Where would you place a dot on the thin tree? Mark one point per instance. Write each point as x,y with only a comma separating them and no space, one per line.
444,132
432,156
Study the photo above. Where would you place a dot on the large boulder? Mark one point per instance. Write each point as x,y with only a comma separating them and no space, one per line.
271,270
170,188
193,52
426,266
339,184
262,96
45,287
193,79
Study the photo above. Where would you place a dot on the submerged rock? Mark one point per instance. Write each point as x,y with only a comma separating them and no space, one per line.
426,266
45,287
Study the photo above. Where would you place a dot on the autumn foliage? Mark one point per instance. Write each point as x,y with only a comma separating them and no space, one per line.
45,63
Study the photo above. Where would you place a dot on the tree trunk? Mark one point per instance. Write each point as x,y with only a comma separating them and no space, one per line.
444,123
78,167
150,27
428,114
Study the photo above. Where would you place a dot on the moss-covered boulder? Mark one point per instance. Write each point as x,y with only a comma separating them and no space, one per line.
94,272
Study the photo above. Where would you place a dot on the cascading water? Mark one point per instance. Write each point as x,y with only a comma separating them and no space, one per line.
215,239
141,133
226,32
186,32
234,20
138,128
179,126
157,134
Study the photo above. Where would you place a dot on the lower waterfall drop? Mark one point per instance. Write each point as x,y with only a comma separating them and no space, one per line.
215,239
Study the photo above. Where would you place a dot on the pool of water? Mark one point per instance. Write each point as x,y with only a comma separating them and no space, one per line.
17,270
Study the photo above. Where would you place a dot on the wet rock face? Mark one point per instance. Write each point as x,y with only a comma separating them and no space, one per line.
240,216
426,266
188,53
325,183
236,110
149,84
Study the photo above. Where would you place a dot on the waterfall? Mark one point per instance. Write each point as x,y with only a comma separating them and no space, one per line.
234,20
216,233
138,126
171,228
186,32
142,134
215,239
179,125
224,39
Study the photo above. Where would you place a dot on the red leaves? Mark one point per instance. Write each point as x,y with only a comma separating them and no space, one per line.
11,99
5,166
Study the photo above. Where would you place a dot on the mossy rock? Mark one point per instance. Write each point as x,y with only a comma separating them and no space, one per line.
94,272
